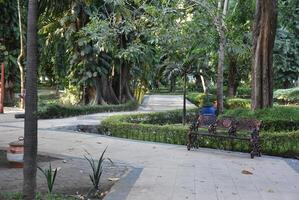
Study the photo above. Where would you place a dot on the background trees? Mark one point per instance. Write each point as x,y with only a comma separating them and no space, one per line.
104,50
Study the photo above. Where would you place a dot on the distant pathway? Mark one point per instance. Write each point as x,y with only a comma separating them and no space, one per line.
164,171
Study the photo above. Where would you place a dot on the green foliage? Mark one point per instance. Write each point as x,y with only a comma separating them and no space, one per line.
71,96
278,118
61,111
50,176
162,127
287,95
201,99
243,92
233,103
285,53
38,196
97,169
173,134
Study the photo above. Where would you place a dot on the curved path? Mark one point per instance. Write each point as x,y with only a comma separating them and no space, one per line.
168,172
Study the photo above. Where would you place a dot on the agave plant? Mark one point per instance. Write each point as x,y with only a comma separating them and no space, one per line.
97,169
50,176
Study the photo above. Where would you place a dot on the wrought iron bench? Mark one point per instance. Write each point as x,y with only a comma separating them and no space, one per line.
226,128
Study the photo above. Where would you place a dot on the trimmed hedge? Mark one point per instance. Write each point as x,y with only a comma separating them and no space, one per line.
234,103
137,126
61,111
278,118
287,95
231,103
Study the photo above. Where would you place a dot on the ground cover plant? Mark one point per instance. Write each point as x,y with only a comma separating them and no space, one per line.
38,196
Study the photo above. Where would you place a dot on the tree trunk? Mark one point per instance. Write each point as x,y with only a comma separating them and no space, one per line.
107,91
263,42
220,73
99,91
184,99
20,58
232,79
221,31
125,90
30,132
204,88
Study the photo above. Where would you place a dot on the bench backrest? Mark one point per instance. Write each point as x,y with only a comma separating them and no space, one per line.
239,124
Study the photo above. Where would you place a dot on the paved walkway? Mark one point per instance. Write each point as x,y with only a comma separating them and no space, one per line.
168,172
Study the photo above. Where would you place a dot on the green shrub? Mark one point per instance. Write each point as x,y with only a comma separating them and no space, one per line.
243,92
192,97
138,127
234,103
61,111
160,118
278,118
287,95
71,95
201,99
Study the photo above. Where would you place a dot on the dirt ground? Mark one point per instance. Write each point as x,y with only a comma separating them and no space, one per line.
72,177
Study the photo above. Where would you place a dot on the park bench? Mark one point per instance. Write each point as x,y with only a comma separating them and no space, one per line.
226,128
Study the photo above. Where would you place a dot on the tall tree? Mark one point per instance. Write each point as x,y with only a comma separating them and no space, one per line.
263,42
21,56
220,24
30,131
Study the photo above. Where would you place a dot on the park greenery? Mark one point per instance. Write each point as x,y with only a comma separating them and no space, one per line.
279,135
104,55
107,52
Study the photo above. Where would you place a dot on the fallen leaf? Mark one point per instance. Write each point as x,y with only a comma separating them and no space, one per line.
246,172
113,179
270,190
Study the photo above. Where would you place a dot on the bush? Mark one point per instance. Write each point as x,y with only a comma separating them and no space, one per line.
71,95
243,92
156,127
201,99
234,103
61,111
278,118
192,97
287,95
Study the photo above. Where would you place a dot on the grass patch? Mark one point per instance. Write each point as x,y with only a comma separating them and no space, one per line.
39,196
